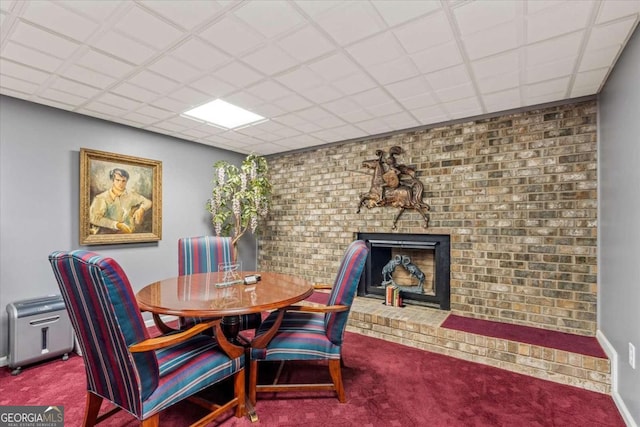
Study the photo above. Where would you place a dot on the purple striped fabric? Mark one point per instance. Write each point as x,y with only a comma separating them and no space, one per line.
107,320
305,335
204,254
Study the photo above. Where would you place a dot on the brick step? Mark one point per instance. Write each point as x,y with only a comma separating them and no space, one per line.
422,327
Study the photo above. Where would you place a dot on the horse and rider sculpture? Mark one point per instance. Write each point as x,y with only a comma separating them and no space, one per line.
393,185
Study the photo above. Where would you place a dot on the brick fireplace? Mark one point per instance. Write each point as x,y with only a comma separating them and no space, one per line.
393,256
516,193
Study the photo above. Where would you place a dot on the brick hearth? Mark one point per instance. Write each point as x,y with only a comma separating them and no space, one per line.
419,327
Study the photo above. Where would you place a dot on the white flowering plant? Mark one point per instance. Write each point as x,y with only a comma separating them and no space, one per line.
240,198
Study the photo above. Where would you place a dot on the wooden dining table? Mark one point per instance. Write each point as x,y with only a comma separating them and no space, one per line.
213,295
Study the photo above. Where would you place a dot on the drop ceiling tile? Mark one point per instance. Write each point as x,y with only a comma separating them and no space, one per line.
305,44
38,39
64,97
393,71
492,41
174,69
200,55
384,110
321,94
145,27
30,57
418,101
269,60
300,79
610,34
591,78
245,100
424,33
408,88
453,93
151,111
548,87
503,100
449,77
186,17
105,64
614,9
495,65
73,87
562,18
438,57
463,108
212,86
269,90
350,21
375,50
99,107
238,74
270,18
86,76
334,67
165,107
534,99
599,58
119,101
401,120
135,92
396,12
552,50
98,11
499,82
153,82
190,96
22,72
371,97
141,118
232,36
124,47
18,85
269,110
550,70
53,16
7,5
340,106
356,116
478,16
373,127
292,103
354,83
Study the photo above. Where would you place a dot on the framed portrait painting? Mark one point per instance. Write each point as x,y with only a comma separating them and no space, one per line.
120,198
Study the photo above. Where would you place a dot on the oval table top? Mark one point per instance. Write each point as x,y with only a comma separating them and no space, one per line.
201,295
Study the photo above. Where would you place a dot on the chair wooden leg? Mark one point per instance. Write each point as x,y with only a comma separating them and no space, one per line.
153,421
91,409
336,375
253,380
239,386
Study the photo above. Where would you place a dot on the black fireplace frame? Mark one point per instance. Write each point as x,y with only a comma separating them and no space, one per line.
439,243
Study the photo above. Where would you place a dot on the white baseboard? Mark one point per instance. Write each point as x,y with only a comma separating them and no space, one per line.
613,358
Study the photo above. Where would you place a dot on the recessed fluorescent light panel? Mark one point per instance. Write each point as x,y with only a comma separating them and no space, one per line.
223,114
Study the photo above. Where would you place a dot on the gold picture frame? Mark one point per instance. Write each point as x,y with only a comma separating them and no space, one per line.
120,198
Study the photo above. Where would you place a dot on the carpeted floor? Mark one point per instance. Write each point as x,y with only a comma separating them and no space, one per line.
387,385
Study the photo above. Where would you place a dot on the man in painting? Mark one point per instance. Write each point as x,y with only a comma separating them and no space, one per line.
118,210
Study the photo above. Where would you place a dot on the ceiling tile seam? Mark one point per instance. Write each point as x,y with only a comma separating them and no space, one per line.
595,9
9,25
457,36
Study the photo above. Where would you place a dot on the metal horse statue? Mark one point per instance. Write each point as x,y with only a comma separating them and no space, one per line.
393,185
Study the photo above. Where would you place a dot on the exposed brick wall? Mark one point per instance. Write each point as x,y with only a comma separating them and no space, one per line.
517,193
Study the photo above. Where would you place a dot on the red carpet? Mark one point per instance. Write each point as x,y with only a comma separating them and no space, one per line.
387,385
579,344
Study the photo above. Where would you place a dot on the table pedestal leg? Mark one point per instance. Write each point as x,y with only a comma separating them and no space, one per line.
231,328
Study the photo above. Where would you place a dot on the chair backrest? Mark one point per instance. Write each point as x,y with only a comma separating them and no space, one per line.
203,254
106,318
344,288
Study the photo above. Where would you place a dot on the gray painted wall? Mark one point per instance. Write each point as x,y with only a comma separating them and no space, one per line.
39,197
619,220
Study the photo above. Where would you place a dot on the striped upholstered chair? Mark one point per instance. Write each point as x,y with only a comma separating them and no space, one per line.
139,374
310,332
205,254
